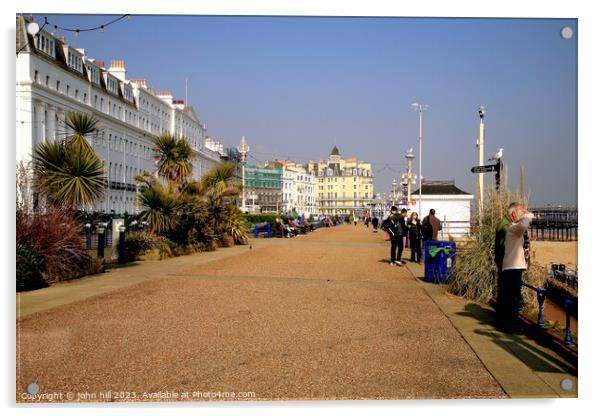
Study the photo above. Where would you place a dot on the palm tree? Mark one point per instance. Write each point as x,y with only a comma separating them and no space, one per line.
69,172
160,205
220,182
83,126
173,157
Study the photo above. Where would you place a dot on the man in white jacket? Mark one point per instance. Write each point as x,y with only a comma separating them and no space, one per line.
510,241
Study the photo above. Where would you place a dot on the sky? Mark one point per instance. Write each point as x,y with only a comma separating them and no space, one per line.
297,86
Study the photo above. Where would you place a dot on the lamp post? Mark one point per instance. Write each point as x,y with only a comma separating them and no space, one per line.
408,176
481,145
243,148
420,108
394,191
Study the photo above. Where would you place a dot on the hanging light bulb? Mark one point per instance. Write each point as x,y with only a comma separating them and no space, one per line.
129,17
76,32
102,28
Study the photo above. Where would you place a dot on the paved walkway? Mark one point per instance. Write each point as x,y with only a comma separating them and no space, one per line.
321,316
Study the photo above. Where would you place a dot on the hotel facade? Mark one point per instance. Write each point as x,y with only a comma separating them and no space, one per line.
54,78
343,186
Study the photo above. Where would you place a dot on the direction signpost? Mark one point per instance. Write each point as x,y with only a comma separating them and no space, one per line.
497,167
483,169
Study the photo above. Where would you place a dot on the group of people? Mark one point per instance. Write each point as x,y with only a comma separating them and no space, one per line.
290,227
398,226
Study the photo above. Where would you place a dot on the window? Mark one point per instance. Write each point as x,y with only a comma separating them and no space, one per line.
76,94
67,90
46,44
58,86
35,76
47,80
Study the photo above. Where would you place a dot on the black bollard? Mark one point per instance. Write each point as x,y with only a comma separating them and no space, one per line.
100,250
122,246
568,339
88,236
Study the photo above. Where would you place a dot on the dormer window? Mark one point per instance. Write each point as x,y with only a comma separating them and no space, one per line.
75,61
46,44
94,74
113,85
128,92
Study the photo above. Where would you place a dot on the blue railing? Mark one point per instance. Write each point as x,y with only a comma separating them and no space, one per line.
541,298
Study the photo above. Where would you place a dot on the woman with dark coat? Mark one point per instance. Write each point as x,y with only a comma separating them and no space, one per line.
415,232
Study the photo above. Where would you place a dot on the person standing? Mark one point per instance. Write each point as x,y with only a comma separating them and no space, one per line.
511,262
431,225
415,232
375,224
395,225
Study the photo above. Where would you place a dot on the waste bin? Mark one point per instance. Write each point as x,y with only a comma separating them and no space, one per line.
439,260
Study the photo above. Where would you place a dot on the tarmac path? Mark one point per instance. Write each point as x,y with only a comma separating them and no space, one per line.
320,316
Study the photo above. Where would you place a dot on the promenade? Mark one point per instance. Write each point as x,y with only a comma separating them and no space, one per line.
320,316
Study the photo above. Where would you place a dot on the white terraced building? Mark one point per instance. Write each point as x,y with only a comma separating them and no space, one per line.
298,187
54,78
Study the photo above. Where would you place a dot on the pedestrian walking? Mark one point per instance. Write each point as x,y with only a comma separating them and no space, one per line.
511,262
415,233
431,225
396,226
375,224
366,219
354,219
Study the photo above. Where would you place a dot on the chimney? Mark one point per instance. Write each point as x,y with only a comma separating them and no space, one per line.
117,68
29,19
179,104
62,39
165,96
101,64
139,82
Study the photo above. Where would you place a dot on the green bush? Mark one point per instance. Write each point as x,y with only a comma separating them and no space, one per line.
139,243
260,218
30,268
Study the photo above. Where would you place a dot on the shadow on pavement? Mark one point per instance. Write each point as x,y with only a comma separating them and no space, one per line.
531,355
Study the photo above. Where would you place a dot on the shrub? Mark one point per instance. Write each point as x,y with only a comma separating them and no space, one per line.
226,241
140,243
260,218
30,266
56,237
475,276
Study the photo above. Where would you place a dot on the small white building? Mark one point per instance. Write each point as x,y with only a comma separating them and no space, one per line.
451,205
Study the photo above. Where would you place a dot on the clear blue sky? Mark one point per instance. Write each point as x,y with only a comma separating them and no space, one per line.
295,86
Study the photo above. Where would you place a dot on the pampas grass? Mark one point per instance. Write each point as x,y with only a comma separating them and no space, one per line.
475,276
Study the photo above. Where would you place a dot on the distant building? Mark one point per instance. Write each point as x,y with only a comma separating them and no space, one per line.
298,187
344,186
452,206
263,189
54,78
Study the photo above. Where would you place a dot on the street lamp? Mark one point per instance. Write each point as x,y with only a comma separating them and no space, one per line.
481,145
243,148
420,108
408,176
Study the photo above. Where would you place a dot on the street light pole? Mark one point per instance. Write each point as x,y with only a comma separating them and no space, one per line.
481,156
243,148
420,108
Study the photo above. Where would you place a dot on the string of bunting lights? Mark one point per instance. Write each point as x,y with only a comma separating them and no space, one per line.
100,28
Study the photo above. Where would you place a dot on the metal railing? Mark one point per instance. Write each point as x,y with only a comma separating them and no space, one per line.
541,298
